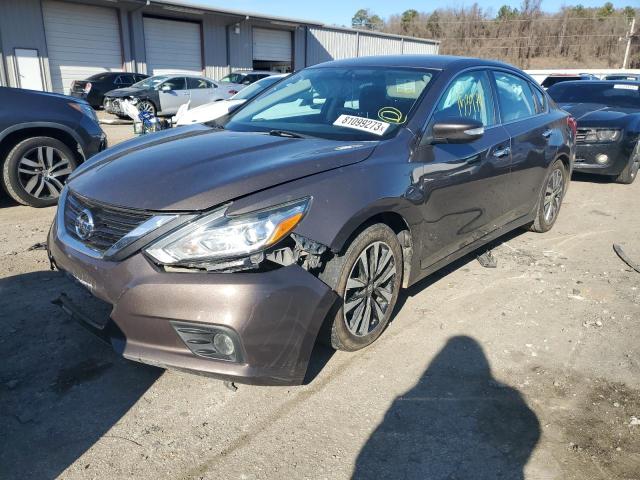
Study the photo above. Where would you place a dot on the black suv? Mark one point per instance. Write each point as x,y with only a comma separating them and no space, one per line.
93,88
43,138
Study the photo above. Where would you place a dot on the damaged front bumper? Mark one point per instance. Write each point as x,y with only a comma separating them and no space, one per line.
169,319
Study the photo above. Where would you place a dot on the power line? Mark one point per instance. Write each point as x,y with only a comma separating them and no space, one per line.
519,20
442,39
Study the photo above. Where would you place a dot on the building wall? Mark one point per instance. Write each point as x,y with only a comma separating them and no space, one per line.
22,26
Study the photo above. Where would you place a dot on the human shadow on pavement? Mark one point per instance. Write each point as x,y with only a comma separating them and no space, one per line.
61,390
457,422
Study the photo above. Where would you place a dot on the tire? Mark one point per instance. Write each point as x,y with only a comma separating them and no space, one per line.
371,303
148,106
630,171
36,169
552,194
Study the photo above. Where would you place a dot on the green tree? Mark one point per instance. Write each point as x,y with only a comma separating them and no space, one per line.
606,10
360,19
507,13
629,12
375,22
407,19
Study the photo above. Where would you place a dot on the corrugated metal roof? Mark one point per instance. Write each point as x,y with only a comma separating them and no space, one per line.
199,7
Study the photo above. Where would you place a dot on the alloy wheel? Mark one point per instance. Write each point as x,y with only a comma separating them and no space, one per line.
42,172
146,107
370,289
553,195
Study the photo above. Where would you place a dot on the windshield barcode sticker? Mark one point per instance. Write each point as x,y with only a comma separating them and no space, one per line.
623,86
364,124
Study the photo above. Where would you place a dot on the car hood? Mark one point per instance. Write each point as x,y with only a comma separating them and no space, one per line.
596,112
125,92
197,167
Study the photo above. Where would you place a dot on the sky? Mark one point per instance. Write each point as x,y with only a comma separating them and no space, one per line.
339,12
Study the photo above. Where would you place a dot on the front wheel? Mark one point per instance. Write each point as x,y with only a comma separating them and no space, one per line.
551,199
147,107
367,277
630,172
36,169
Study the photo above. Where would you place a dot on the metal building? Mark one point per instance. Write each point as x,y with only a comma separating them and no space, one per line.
46,44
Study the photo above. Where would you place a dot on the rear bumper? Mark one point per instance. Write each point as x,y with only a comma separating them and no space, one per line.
276,315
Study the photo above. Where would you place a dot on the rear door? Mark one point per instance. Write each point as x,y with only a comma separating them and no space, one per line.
530,127
464,183
176,95
202,91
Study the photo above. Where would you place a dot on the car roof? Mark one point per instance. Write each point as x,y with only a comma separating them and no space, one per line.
635,83
439,62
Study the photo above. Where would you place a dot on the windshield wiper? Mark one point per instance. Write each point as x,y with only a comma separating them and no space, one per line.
285,133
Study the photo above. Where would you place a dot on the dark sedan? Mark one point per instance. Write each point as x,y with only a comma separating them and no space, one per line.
224,249
43,138
93,88
608,115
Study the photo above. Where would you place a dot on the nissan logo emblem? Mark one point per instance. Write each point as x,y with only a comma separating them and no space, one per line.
84,224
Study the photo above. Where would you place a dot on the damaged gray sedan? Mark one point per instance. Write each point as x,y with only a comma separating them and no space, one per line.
225,248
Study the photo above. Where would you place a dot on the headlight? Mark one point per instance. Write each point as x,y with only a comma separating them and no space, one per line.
602,135
216,236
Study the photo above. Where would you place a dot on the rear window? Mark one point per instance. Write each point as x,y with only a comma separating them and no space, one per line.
624,95
549,81
99,77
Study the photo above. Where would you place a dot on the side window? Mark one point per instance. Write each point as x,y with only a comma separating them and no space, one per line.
541,99
469,96
195,83
514,96
176,83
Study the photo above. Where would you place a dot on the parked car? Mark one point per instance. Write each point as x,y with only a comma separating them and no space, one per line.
238,80
43,138
560,77
215,110
623,76
164,94
241,242
608,115
93,88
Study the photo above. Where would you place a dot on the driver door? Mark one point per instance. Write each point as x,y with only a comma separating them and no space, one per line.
464,184
173,93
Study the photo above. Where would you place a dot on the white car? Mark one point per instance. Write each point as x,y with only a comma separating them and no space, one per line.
236,81
164,94
213,110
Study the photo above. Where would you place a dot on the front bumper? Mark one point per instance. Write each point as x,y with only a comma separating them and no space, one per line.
276,315
586,155
113,105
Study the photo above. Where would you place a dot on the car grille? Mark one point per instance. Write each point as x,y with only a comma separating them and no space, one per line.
581,134
110,223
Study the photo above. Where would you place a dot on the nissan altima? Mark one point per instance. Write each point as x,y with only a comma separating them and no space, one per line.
229,250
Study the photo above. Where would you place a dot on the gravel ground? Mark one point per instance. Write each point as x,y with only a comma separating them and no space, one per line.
529,370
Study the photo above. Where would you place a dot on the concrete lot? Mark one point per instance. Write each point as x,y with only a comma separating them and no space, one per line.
530,370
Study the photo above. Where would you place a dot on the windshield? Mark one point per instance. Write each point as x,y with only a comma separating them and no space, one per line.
360,103
151,82
255,88
611,94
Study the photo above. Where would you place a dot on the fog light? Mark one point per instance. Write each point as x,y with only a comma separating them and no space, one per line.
601,158
223,344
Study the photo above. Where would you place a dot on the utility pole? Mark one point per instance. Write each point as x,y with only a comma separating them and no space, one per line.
626,52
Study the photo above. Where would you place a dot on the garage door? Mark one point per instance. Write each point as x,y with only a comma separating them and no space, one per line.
272,45
172,46
81,40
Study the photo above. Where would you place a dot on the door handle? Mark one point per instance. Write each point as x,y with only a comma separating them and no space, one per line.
502,152
547,133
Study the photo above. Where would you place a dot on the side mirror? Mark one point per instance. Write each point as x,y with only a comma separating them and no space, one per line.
457,130
166,88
